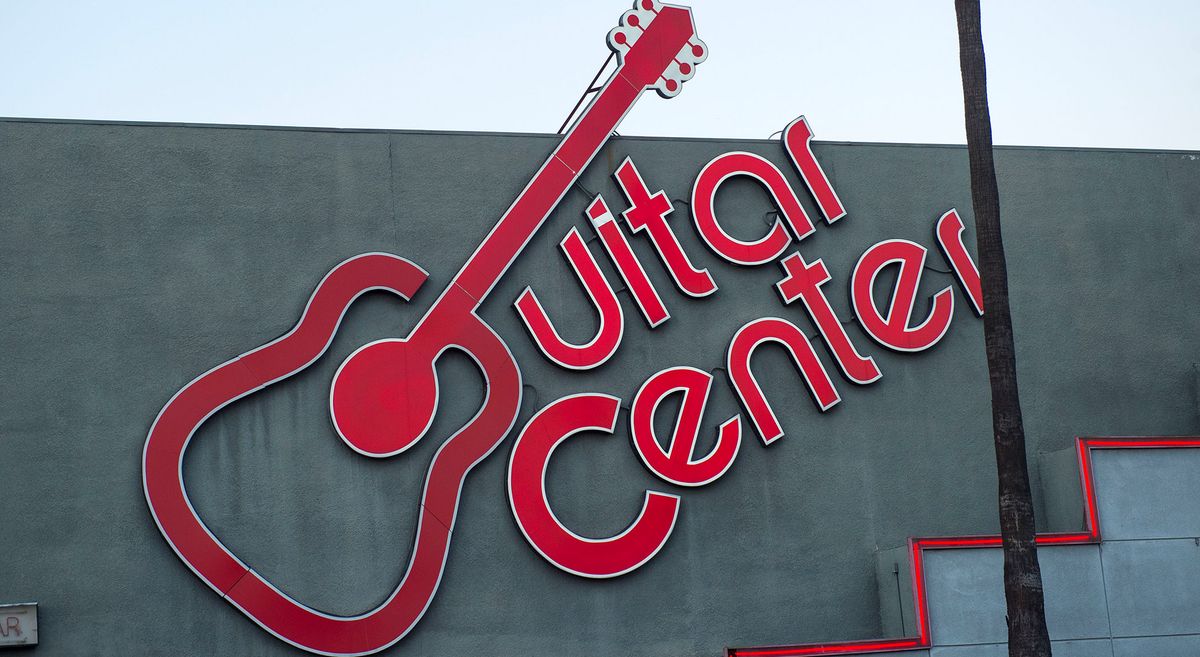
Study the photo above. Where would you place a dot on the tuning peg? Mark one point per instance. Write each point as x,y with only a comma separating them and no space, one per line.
683,68
633,23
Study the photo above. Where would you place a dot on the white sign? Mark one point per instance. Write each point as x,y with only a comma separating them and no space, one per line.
18,625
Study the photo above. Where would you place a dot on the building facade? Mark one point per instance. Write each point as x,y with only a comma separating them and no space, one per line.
138,257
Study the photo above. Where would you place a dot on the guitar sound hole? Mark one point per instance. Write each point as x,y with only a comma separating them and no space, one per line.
383,398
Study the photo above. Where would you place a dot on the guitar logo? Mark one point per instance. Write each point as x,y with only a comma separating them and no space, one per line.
384,396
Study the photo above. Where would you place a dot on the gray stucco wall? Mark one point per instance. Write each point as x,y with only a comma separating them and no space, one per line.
134,257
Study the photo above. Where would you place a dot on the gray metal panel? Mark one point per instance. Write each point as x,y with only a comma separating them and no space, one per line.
980,650
977,650
1148,493
1153,586
1074,592
1085,648
966,594
1157,646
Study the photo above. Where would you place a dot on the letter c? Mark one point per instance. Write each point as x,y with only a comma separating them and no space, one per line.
578,555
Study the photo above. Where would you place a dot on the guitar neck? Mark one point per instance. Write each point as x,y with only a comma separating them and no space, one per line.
652,39
534,204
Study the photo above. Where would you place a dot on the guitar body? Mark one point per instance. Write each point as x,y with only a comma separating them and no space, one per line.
283,616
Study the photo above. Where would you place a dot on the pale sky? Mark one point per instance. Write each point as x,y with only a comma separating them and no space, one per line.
1105,73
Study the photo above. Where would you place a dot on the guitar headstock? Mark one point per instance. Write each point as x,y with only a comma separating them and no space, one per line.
657,46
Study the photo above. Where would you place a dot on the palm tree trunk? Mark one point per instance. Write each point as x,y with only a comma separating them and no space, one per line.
1027,635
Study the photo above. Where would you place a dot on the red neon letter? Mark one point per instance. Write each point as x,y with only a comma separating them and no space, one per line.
949,233
586,557
803,281
612,320
741,348
704,194
627,263
893,330
796,141
649,213
675,463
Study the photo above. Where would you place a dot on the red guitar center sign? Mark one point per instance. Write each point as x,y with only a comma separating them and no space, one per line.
384,396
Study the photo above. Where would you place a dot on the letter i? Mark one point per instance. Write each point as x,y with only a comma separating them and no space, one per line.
648,212
627,263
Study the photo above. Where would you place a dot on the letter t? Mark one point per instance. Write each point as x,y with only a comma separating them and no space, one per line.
803,281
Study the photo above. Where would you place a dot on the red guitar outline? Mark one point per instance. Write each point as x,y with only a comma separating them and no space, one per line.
917,546
384,395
